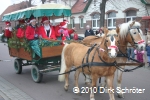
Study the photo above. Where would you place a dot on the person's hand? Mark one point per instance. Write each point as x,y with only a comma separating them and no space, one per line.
74,29
35,36
40,36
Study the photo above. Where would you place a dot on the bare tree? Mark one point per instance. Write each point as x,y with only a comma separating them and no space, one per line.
43,1
29,3
102,12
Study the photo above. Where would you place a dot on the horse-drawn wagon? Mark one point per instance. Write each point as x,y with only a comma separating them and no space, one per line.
49,52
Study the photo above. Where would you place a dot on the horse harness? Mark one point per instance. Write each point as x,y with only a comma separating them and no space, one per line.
103,63
121,54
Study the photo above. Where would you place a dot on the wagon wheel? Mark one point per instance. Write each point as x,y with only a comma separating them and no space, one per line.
36,75
18,66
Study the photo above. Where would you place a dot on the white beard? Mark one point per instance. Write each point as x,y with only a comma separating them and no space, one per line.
47,27
10,28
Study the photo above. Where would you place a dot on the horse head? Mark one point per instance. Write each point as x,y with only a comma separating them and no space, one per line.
133,34
111,42
136,35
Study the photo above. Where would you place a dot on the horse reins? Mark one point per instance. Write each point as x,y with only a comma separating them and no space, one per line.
90,64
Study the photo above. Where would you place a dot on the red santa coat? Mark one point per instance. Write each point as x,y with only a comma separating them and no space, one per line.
30,32
20,33
43,32
56,31
8,33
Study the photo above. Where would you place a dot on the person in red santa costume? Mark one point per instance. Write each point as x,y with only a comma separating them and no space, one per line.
32,31
21,29
46,30
8,30
64,32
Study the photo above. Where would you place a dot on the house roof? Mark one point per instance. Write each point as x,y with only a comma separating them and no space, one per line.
80,6
15,7
146,17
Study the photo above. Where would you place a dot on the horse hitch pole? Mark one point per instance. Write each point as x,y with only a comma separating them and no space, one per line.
131,64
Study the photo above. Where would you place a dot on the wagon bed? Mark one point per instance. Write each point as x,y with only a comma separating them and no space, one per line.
46,52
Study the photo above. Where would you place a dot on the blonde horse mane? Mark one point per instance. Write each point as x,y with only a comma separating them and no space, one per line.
124,28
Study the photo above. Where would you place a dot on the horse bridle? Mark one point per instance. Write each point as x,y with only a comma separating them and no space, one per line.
97,46
110,47
139,42
135,44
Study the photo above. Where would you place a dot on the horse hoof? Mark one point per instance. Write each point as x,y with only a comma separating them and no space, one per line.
120,96
66,88
87,83
92,99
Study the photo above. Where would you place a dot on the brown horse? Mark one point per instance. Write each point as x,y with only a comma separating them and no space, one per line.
129,33
73,54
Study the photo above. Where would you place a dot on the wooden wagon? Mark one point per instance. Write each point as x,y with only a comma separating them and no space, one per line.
51,55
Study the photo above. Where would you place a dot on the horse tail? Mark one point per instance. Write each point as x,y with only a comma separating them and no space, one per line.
61,78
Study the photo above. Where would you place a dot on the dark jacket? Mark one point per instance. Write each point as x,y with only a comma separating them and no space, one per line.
100,31
89,33
148,50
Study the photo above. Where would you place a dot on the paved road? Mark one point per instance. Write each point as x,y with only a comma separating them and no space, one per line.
51,89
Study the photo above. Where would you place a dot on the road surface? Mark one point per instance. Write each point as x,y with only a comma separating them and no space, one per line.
51,89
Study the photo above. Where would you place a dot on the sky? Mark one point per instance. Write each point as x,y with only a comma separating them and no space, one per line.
5,3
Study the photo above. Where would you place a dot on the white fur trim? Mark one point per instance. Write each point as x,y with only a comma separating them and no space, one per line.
65,26
49,33
32,20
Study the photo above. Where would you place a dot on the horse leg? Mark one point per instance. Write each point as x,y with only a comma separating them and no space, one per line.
103,84
94,81
110,87
87,79
67,79
76,76
119,80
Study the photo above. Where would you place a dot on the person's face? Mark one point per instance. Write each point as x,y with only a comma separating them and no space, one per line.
8,25
46,23
33,23
87,28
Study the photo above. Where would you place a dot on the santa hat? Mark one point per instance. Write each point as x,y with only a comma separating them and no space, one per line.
62,23
7,23
21,21
44,19
66,21
32,19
